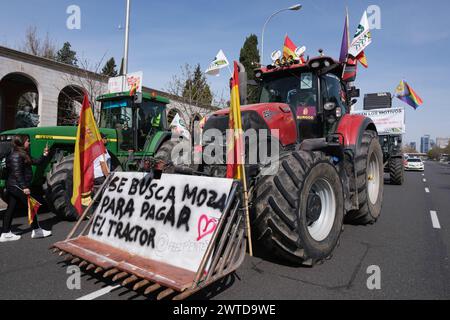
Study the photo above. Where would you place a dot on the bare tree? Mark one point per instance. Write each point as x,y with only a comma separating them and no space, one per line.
35,45
187,98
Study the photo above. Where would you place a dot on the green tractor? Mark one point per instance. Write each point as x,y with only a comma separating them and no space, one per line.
136,128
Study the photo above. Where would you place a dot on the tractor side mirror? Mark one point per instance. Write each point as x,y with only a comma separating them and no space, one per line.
138,98
329,106
354,93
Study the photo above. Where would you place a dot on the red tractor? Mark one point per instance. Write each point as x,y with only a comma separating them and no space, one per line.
330,164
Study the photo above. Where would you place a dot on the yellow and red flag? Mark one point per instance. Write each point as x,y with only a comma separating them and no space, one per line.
133,90
33,208
235,153
89,146
363,59
289,50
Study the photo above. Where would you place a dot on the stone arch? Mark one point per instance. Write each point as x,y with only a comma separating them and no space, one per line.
70,99
19,101
197,117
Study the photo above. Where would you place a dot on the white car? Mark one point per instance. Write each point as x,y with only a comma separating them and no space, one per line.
414,164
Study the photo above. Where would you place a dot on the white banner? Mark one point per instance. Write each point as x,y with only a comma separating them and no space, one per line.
363,37
387,121
125,83
171,220
220,62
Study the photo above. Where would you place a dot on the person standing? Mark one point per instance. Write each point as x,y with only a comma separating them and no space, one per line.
20,175
102,165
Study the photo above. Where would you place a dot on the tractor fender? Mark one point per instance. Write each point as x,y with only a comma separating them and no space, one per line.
158,140
351,128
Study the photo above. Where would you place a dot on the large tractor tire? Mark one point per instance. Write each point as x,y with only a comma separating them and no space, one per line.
369,181
166,153
299,210
59,189
396,171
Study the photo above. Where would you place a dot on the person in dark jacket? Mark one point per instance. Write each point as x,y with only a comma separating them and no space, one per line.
20,175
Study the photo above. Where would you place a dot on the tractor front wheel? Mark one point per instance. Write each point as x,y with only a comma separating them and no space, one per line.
59,189
299,210
369,180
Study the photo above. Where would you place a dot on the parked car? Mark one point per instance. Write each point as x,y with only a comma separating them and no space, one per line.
414,164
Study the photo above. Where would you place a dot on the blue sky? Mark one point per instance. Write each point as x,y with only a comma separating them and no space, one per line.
413,42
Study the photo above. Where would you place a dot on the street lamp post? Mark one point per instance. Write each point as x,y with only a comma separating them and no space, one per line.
127,39
292,8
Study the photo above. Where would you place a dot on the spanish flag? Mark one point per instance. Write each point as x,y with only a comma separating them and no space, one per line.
363,59
133,90
235,153
289,50
33,208
89,146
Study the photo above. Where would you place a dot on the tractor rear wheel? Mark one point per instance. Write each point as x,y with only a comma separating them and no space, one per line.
59,189
166,154
396,171
299,210
369,180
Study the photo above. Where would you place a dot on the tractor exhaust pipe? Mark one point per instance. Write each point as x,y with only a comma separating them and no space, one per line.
243,84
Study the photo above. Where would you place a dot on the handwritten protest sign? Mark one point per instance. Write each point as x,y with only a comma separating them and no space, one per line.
171,220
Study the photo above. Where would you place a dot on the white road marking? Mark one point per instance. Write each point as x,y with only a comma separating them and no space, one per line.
435,220
424,180
427,190
99,293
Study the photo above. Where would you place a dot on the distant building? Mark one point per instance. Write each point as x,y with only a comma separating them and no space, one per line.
442,142
425,144
432,144
413,146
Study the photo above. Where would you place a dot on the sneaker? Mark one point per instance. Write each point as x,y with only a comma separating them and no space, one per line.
40,233
9,237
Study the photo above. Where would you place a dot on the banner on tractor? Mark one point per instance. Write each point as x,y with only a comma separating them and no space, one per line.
126,83
171,220
387,121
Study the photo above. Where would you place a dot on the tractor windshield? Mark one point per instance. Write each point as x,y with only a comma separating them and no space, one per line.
295,89
118,114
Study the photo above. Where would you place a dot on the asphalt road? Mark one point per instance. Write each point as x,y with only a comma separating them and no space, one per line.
410,245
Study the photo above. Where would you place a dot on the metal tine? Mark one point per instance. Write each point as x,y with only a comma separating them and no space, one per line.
165,294
90,267
76,260
232,253
55,250
82,264
63,253
152,288
120,276
211,247
98,270
230,243
110,273
222,241
69,258
141,284
129,280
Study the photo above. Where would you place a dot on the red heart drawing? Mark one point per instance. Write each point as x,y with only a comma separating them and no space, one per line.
206,227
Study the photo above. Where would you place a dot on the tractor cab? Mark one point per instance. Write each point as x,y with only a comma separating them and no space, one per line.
136,122
314,91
